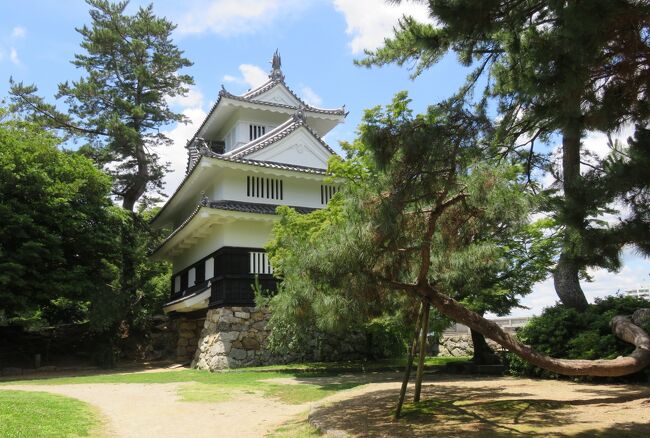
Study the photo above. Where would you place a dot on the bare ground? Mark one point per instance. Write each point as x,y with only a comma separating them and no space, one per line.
479,406
452,406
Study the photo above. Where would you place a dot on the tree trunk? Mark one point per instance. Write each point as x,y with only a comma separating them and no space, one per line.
567,283
138,187
623,327
409,364
565,276
423,351
483,354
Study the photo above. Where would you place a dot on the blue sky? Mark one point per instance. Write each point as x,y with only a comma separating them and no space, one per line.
231,43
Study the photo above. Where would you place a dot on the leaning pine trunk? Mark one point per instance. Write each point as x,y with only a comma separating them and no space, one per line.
624,327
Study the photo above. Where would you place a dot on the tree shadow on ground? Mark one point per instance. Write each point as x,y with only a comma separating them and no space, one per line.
449,410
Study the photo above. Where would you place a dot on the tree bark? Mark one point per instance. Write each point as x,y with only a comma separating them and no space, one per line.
423,350
565,276
567,283
409,365
139,186
483,354
622,326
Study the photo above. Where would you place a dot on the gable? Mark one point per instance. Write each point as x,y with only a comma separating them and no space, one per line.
279,94
299,148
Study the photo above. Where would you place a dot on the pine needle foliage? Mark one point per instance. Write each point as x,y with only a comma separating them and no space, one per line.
340,265
554,68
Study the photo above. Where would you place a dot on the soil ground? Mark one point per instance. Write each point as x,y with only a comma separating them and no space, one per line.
468,406
452,406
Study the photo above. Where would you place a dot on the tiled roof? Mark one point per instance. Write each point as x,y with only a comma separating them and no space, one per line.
225,94
311,109
267,164
252,207
276,135
244,207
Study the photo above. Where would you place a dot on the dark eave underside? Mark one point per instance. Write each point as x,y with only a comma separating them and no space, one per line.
243,207
252,207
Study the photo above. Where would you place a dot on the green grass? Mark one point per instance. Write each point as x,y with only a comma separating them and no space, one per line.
303,393
299,428
486,418
202,392
244,376
361,366
38,414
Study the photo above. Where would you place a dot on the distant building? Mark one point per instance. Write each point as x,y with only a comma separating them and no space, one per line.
642,292
507,324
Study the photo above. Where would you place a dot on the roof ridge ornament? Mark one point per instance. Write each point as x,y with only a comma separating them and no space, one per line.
299,115
276,67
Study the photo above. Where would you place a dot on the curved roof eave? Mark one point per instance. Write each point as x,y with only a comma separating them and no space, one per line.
245,98
235,160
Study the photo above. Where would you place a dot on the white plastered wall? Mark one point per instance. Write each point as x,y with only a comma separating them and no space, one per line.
280,95
299,147
230,184
240,233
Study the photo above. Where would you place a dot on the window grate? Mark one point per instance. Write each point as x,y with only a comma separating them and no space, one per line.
259,263
326,193
268,188
255,131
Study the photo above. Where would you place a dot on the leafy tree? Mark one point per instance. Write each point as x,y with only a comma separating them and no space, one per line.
131,70
57,239
555,68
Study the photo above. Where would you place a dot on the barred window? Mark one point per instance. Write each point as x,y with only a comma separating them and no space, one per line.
255,131
191,277
259,263
269,188
326,193
209,268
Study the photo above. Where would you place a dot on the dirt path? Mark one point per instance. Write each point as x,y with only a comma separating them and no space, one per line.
154,410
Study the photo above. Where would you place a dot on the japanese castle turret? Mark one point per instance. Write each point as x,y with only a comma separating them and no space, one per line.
252,152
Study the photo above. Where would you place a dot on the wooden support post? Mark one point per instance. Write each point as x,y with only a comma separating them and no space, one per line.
423,351
409,364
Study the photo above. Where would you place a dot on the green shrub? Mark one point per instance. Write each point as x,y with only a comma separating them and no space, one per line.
568,334
386,337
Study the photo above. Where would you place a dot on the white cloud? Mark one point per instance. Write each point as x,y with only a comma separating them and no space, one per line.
193,99
310,96
13,56
370,21
251,75
234,17
18,32
254,76
176,154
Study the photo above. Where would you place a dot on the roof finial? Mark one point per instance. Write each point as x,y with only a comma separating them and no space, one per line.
276,67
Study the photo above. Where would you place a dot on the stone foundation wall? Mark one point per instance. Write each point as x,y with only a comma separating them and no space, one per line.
235,337
460,345
189,332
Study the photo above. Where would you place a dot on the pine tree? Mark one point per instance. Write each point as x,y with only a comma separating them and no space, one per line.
131,69
555,68
436,217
